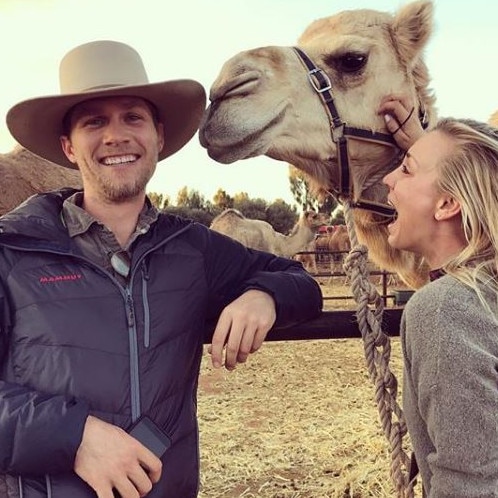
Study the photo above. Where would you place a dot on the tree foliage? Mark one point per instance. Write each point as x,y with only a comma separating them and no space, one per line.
301,191
190,198
193,205
222,200
281,216
159,200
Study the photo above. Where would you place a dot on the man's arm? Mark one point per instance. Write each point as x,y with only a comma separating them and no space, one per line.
242,328
260,290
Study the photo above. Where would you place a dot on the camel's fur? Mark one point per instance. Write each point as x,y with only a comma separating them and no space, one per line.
24,174
263,104
258,234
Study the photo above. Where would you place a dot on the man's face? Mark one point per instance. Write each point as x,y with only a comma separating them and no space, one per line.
115,143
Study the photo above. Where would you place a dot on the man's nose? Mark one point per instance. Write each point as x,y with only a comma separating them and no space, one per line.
115,132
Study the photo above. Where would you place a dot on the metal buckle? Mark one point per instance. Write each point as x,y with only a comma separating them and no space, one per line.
314,82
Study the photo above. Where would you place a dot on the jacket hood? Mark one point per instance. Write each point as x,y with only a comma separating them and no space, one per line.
37,221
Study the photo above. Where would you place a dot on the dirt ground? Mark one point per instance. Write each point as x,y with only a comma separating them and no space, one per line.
298,420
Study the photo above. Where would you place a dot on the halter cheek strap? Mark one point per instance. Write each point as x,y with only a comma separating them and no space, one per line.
340,133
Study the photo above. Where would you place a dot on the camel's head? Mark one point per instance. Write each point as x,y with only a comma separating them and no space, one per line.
315,220
263,102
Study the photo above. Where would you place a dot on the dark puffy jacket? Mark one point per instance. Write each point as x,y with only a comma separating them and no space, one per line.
74,342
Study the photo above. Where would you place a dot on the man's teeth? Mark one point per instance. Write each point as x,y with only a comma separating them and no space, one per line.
119,159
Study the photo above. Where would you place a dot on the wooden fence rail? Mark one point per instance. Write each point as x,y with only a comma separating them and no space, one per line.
337,324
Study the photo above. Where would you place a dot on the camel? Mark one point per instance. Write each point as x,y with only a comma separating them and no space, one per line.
268,101
258,234
307,260
24,174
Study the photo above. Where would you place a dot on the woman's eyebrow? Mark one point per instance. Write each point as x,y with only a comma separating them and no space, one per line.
411,158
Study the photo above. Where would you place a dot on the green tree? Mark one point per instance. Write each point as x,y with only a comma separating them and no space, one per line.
300,189
324,203
222,200
190,198
250,208
160,201
281,216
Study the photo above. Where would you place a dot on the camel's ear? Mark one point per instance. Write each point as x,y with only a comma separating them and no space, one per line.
412,28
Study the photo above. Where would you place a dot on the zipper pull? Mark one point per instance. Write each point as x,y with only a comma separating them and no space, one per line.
130,311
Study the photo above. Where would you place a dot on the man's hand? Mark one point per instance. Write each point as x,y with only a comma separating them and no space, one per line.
242,328
110,458
401,120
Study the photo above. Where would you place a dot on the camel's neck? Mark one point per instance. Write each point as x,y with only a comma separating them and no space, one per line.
297,241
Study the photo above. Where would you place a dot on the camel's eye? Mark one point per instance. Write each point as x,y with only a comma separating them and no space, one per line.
350,62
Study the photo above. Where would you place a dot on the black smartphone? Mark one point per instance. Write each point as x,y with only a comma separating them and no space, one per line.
150,435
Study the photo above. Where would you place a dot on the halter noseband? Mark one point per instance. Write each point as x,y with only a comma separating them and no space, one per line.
341,132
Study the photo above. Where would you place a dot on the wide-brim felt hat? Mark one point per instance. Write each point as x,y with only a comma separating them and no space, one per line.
106,69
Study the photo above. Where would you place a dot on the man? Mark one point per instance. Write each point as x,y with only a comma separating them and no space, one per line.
104,300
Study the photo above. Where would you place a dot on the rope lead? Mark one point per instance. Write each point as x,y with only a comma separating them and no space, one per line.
377,348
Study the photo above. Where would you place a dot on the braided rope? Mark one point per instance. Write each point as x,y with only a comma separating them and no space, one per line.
377,347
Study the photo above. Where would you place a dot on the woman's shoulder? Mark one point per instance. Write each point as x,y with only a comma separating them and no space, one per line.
446,296
444,293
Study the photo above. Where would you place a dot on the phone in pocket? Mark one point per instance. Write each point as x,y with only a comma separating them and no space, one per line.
150,435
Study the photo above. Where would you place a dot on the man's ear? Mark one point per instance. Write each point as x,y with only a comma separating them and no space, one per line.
160,137
447,207
67,148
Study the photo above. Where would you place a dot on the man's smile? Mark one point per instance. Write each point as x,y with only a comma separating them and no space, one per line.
113,160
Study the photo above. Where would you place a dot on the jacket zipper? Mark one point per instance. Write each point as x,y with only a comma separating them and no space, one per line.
134,367
145,301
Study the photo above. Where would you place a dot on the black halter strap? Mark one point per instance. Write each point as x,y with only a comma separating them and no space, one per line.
341,132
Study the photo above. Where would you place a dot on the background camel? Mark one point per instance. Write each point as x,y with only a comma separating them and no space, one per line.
262,103
336,242
258,234
24,174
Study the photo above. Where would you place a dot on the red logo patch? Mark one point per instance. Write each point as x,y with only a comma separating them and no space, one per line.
60,278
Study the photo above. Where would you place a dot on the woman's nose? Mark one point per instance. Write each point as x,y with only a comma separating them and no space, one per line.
387,180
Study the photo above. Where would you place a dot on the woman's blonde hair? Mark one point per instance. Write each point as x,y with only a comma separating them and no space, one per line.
470,175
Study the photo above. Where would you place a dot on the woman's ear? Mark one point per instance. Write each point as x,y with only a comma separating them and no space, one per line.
447,207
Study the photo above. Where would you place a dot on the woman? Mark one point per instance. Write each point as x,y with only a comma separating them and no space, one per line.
445,194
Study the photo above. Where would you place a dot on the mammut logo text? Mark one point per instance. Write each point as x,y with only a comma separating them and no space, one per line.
60,278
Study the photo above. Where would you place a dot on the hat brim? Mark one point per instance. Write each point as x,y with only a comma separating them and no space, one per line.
37,123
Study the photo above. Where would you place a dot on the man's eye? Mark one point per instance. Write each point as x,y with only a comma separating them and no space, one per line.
404,169
93,122
135,117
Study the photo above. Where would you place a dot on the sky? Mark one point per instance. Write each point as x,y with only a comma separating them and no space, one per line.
193,38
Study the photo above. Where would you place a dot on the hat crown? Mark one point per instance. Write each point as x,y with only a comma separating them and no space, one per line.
99,65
